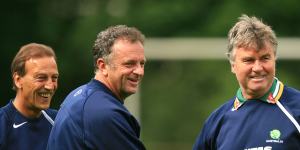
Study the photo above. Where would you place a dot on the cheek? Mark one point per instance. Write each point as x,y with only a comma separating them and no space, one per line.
28,86
241,72
124,72
238,69
55,85
272,67
36,87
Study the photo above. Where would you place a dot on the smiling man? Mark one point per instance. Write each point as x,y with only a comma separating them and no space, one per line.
93,116
264,114
26,121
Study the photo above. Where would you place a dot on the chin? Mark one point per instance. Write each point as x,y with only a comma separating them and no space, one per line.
43,107
130,92
259,90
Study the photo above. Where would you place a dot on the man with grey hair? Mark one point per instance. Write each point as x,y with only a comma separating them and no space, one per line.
264,114
93,117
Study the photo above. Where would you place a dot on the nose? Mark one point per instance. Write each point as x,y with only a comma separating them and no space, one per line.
50,85
257,66
139,70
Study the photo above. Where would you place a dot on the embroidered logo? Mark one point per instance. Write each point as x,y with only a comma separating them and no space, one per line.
275,136
237,104
78,92
271,99
18,125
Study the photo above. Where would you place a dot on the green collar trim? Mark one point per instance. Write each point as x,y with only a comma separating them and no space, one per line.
271,96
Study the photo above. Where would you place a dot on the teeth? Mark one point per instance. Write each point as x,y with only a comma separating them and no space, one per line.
45,94
257,77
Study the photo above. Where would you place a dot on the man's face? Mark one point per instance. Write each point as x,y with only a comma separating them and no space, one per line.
254,70
125,68
39,83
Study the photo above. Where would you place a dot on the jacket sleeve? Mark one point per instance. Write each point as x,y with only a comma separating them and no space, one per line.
204,140
207,139
4,128
1,128
111,129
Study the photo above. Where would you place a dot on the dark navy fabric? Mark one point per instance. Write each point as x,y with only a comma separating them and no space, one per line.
91,118
20,133
254,126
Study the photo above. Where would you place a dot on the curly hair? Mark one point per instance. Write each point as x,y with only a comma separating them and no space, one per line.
106,39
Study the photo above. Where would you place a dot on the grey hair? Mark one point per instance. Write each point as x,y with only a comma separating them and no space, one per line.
249,32
105,40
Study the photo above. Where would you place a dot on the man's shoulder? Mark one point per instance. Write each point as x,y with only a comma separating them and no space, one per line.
4,116
290,95
82,93
86,100
214,122
6,111
291,92
76,96
6,119
2,112
103,102
218,113
106,106
291,98
51,112
227,106
76,102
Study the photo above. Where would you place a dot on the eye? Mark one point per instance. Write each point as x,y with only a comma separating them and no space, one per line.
129,64
41,78
248,60
268,57
142,64
55,78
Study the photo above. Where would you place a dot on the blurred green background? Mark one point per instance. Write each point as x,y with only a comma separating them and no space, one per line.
176,95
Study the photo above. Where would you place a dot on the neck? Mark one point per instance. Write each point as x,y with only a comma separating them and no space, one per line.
24,109
253,95
248,95
108,85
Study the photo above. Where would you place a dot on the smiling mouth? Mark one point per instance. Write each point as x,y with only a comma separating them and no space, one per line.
134,82
258,77
45,95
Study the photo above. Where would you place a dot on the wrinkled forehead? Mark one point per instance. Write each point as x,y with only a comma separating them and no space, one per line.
49,59
255,45
41,63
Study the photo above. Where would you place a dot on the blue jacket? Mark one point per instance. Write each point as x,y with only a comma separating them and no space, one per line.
20,133
255,125
91,118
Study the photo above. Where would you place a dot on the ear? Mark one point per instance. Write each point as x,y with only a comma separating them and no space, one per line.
232,67
17,80
102,66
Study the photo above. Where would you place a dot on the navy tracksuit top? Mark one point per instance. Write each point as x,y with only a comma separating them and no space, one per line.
20,133
91,118
256,125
